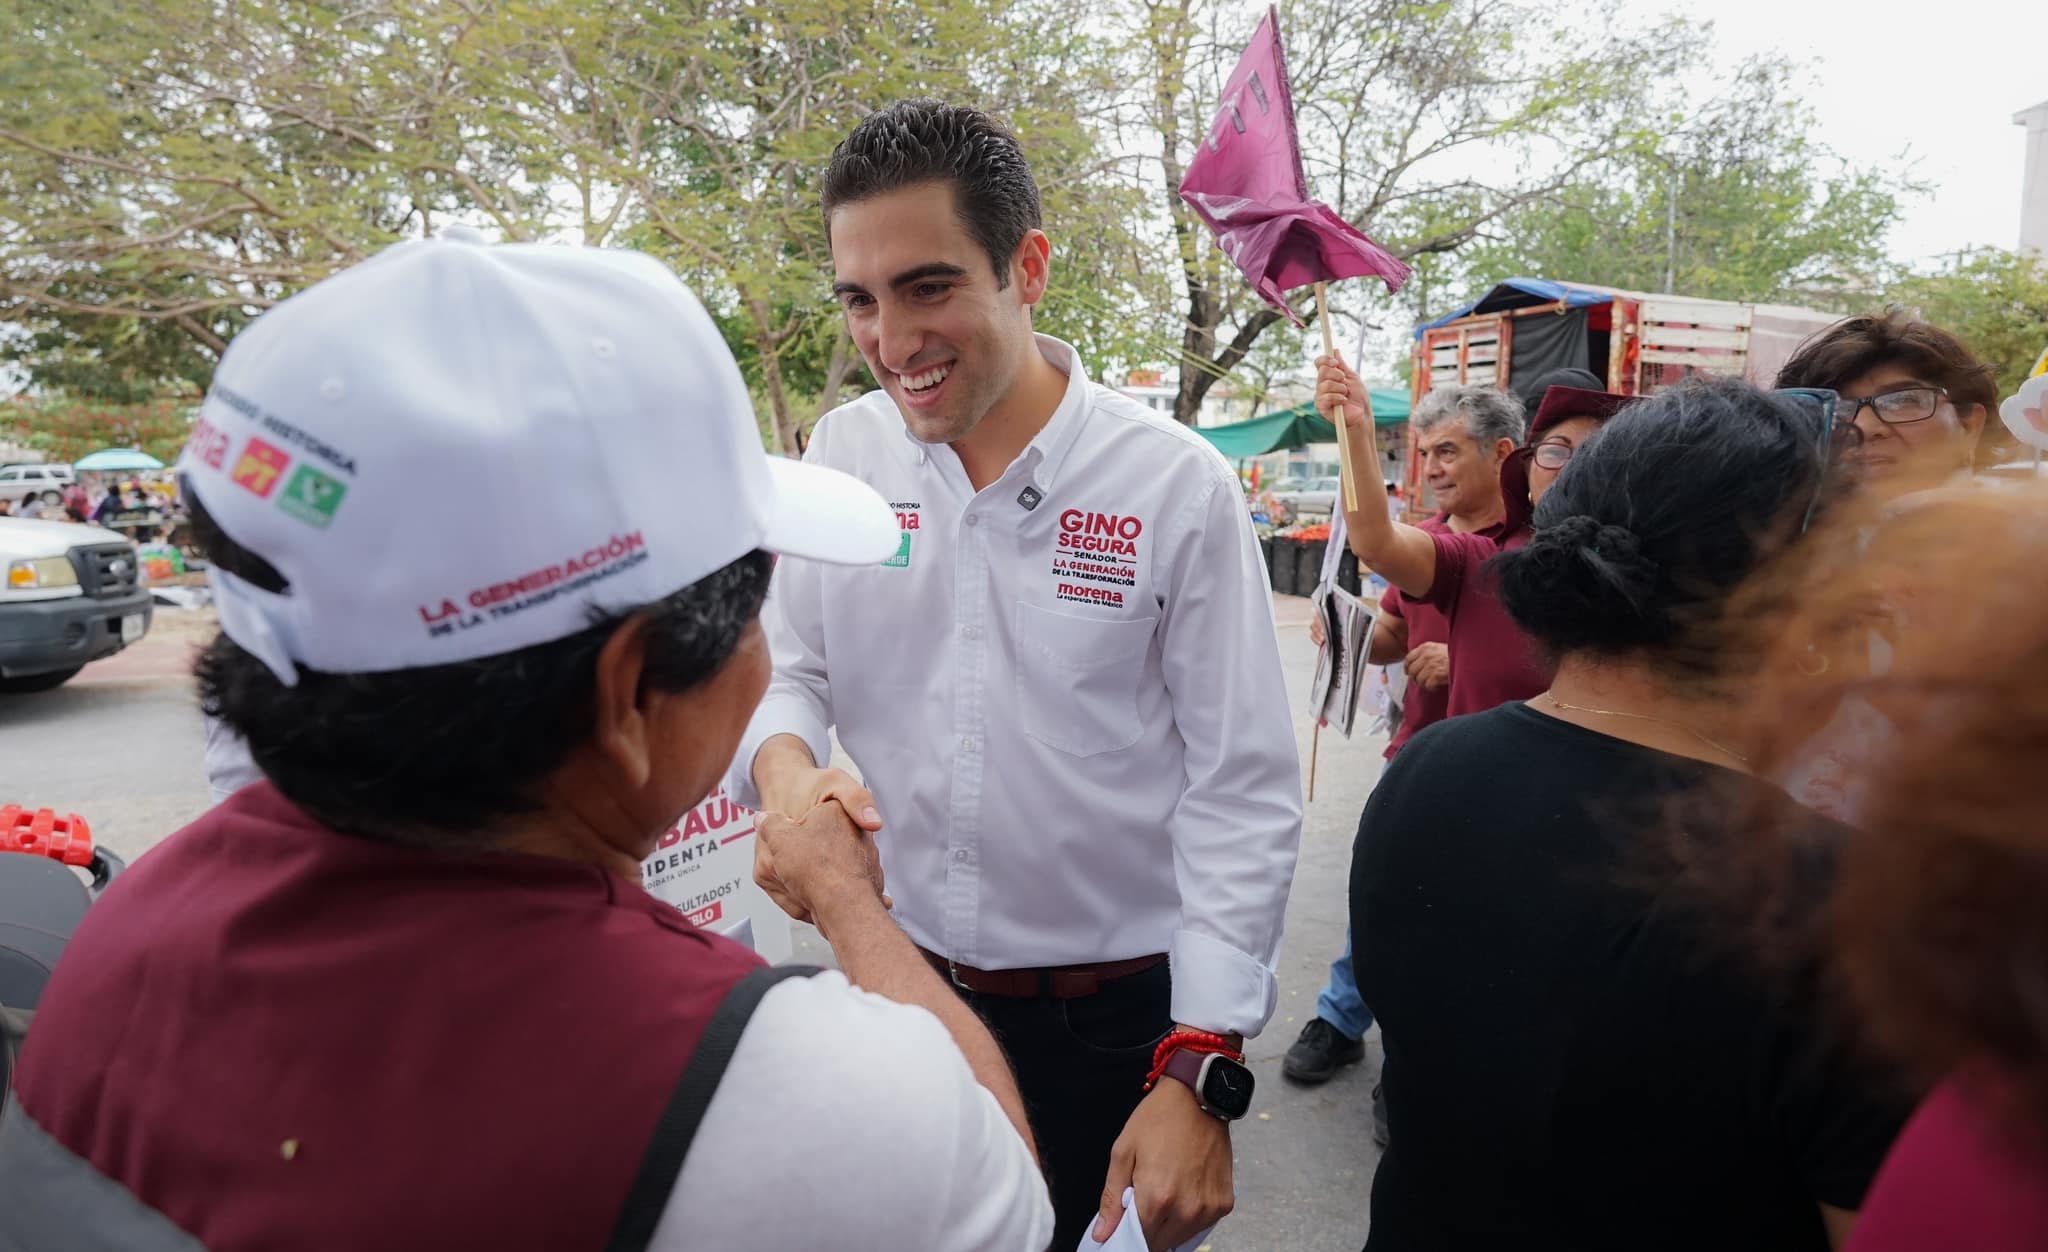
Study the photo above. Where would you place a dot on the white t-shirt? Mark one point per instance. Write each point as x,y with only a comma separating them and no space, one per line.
229,767
851,1122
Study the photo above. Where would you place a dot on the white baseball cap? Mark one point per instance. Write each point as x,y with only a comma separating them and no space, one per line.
457,450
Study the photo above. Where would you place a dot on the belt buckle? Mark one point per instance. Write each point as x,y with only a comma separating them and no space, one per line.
953,972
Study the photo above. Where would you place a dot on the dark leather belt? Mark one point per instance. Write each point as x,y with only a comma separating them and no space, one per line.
1058,982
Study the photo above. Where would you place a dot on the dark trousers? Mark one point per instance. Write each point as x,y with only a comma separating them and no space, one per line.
1081,1066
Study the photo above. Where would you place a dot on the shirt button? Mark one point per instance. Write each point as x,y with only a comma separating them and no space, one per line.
970,632
962,855
967,743
974,519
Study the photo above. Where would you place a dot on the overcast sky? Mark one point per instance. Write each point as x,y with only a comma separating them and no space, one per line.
1934,84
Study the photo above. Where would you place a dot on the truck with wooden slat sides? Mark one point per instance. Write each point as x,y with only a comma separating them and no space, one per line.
1636,342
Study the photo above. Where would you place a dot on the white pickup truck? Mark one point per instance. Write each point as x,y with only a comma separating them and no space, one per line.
69,594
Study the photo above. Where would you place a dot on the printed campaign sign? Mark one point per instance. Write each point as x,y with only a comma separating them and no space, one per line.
704,867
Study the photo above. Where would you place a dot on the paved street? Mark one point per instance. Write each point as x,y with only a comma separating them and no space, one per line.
122,743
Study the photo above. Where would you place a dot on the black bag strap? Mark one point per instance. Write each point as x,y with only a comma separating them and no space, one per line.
13,1029
673,1134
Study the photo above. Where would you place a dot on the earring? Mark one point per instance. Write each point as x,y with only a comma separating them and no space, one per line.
1815,671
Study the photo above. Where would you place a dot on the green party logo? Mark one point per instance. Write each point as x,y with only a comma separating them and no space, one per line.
902,558
312,496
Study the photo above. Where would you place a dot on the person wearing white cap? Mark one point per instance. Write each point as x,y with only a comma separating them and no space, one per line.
491,529
1064,691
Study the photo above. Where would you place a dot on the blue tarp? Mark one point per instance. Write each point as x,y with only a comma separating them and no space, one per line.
1520,293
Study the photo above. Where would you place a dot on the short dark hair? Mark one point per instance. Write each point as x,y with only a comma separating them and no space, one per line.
1658,517
924,141
430,756
1852,348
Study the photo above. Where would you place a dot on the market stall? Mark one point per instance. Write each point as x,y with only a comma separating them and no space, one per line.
1294,551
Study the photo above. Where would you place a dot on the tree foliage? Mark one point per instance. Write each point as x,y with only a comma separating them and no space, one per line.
171,168
1731,200
178,166
1423,123
64,427
1993,300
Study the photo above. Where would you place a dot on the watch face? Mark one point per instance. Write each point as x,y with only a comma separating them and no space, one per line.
1226,1087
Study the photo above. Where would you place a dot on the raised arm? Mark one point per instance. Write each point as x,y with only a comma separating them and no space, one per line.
1399,553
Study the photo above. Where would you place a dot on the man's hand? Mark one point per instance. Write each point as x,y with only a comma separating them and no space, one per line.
1338,388
1178,1158
1430,666
796,792
1315,630
803,863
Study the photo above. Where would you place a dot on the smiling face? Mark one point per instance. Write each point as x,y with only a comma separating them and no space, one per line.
1905,454
1569,434
939,332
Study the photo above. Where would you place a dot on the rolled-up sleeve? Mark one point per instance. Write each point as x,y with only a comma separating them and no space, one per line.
1237,828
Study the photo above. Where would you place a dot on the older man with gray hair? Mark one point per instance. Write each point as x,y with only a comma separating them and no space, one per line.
1461,434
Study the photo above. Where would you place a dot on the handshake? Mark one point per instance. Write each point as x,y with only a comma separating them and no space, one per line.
815,852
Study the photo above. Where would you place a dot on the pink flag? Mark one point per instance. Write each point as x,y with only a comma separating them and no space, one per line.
1246,183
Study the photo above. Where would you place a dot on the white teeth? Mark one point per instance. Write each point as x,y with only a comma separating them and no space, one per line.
927,380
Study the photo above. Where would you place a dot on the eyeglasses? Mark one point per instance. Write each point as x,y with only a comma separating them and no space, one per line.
1894,408
1832,437
1554,456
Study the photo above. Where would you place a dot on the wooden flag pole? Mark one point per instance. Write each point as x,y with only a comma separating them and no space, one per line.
1315,749
1345,475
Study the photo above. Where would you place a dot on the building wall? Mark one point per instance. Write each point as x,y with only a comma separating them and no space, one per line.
2034,188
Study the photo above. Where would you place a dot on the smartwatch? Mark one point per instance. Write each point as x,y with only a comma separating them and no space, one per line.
1222,1087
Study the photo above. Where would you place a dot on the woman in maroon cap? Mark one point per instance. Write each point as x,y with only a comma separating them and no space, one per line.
1492,661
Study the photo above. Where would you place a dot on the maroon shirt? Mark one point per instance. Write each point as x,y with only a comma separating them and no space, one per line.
1492,661
1426,624
278,1036
1955,1179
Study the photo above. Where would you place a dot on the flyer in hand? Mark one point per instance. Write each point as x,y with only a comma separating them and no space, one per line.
1341,678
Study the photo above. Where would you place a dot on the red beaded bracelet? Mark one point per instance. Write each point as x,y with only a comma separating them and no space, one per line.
1201,1040
1187,1041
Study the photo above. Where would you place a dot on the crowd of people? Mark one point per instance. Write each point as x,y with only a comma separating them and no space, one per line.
101,503
1706,854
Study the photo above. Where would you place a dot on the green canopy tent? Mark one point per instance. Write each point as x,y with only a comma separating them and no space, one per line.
1297,427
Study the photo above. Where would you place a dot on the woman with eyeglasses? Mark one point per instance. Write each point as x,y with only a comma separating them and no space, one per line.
1917,400
1577,1057
1916,393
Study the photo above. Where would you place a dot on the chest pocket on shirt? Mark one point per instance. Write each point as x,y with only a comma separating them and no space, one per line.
1077,679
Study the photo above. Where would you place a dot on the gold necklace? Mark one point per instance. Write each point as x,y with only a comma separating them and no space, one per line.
1723,749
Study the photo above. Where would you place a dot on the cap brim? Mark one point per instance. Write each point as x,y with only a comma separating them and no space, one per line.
821,514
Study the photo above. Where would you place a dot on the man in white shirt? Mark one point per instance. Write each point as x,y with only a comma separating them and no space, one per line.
1064,690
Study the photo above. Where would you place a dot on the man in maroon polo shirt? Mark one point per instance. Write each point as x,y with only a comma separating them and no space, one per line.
1491,661
1463,434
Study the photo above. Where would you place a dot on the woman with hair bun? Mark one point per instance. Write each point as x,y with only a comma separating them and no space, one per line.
1575,1058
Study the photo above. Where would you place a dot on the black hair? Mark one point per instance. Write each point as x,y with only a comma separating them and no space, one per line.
1659,516
429,756
924,141
1854,347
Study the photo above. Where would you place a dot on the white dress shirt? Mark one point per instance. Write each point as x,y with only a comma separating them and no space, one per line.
1065,693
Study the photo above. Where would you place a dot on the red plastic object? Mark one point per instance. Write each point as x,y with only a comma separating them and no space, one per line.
40,832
